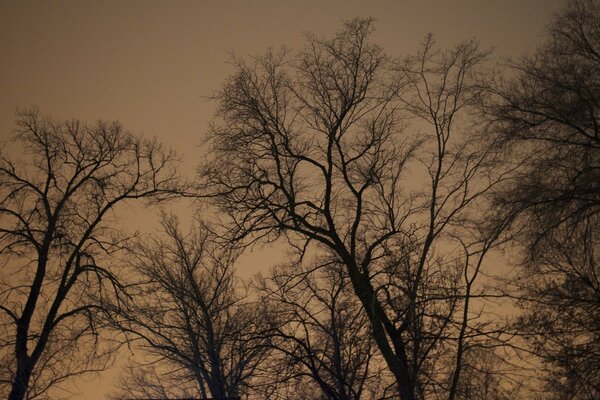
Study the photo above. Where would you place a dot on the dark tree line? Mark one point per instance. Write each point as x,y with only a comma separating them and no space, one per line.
548,116
392,183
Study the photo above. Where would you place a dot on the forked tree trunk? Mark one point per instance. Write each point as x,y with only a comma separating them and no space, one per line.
395,357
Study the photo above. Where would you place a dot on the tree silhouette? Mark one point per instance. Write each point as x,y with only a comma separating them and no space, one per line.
189,312
313,146
319,333
547,115
56,234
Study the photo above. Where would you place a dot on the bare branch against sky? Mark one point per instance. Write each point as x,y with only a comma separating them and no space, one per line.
382,199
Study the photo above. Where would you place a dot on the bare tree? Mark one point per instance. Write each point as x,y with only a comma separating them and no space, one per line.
547,114
313,146
190,312
319,333
488,376
56,233
151,380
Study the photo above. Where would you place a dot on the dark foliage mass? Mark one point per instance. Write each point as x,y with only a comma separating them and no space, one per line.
418,199
548,115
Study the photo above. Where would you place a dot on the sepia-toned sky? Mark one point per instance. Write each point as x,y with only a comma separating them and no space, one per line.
150,64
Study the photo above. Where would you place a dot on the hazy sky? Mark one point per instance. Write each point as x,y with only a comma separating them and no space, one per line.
149,64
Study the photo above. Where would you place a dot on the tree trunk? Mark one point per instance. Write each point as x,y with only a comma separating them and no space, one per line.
395,358
21,382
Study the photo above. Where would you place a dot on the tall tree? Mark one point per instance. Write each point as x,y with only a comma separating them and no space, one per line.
547,114
57,230
189,312
313,145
